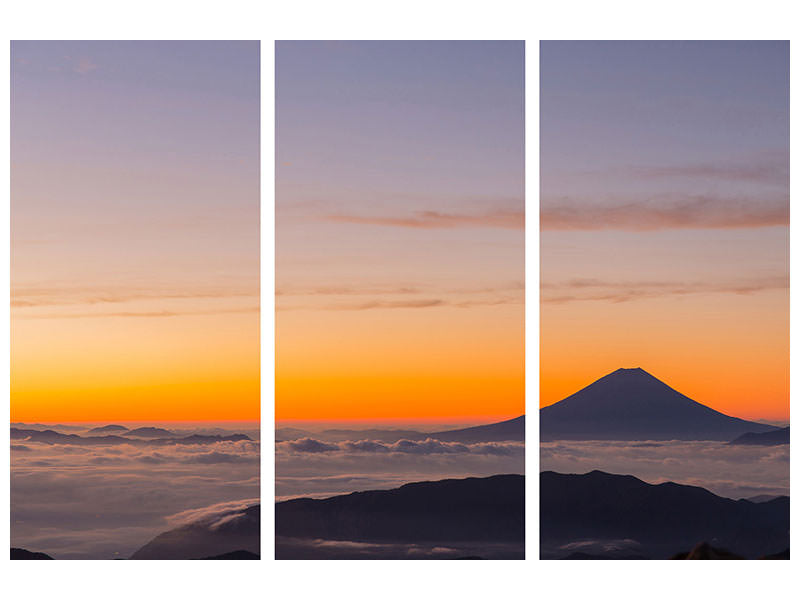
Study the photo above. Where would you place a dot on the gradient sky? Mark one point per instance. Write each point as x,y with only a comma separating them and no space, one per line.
399,230
134,230
664,212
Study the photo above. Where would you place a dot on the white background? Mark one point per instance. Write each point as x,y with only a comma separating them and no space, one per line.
353,20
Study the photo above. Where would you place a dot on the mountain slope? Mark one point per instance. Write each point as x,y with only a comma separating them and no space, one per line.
490,509
504,431
219,534
769,438
659,520
22,554
631,404
108,429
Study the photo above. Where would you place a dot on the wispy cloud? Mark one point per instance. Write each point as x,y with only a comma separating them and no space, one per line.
618,291
504,293
84,65
771,167
28,297
408,304
338,290
760,173
141,314
506,219
667,212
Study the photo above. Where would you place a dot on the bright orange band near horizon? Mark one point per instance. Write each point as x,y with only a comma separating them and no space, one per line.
404,364
730,352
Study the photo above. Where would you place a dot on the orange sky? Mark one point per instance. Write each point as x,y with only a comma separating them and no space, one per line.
664,213
399,231
135,231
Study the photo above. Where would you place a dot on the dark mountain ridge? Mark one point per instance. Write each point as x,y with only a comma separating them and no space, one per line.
768,438
108,429
663,519
49,436
237,533
489,509
504,431
631,404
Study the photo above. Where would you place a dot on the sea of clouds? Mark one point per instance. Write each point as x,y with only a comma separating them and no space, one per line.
727,470
317,468
93,502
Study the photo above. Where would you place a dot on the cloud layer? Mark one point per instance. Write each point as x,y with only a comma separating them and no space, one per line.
428,219
620,291
731,471
316,468
667,212
107,501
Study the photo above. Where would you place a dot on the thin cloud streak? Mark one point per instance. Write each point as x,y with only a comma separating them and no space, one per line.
690,212
617,292
33,297
506,219
144,314
411,304
766,173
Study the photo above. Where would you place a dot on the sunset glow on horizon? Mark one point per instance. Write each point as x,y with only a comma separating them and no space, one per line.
399,231
664,217
135,231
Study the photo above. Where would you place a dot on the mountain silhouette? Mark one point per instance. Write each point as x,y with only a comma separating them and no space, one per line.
769,438
149,432
108,429
22,554
483,510
504,431
659,520
705,551
48,436
235,555
236,530
631,404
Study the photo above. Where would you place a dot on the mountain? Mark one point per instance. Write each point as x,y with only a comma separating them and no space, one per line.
631,404
108,429
379,435
485,511
510,430
235,555
659,521
22,554
149,432
769,438
705,551
49,436
762,498
234,530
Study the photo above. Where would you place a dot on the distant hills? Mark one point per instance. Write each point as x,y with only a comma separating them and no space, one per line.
769,438
512,430
504,431
485,511
108,429
631,404
48,436
22,554
223,538
149,432
235,555
653,521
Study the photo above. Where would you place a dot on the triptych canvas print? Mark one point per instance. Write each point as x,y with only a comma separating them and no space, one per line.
137,407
